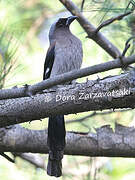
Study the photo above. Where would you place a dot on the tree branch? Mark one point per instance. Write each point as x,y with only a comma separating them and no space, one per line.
90,30
60,79
109,21
110,92
105,142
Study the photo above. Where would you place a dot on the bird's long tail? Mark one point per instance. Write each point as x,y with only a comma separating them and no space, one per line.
56,144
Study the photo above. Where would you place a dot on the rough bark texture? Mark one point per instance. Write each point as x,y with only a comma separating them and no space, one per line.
105,142
29,90
112,92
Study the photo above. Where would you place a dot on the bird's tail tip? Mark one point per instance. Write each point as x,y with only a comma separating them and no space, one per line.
54,168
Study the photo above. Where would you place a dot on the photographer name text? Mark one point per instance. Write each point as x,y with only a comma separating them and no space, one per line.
87,96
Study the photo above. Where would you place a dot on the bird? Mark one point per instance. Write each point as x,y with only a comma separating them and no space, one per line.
64,54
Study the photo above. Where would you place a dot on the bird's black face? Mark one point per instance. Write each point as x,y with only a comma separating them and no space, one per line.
61,22
65,22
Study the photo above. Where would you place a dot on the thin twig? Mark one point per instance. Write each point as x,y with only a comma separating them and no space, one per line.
133,5
82,5
127,46
109,21
7,157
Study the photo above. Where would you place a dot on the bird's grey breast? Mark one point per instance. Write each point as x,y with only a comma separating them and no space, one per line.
68,54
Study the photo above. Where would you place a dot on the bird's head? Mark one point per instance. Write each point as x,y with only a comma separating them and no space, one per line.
61,23
65,22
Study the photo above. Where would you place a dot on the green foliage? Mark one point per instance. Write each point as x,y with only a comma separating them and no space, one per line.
7,56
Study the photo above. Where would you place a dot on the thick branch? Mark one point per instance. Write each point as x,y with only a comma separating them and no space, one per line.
90,29
60,79
112,92
105,142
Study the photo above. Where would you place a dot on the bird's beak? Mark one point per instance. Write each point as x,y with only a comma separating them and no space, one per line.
70,20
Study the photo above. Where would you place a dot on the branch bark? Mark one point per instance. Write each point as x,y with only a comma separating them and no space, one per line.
105,142
60,79
111,92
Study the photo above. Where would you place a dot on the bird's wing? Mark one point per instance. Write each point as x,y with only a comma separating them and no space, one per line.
49,61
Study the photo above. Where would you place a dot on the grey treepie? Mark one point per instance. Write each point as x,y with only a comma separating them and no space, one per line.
64,54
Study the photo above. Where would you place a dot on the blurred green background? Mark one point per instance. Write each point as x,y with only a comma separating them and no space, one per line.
24,26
